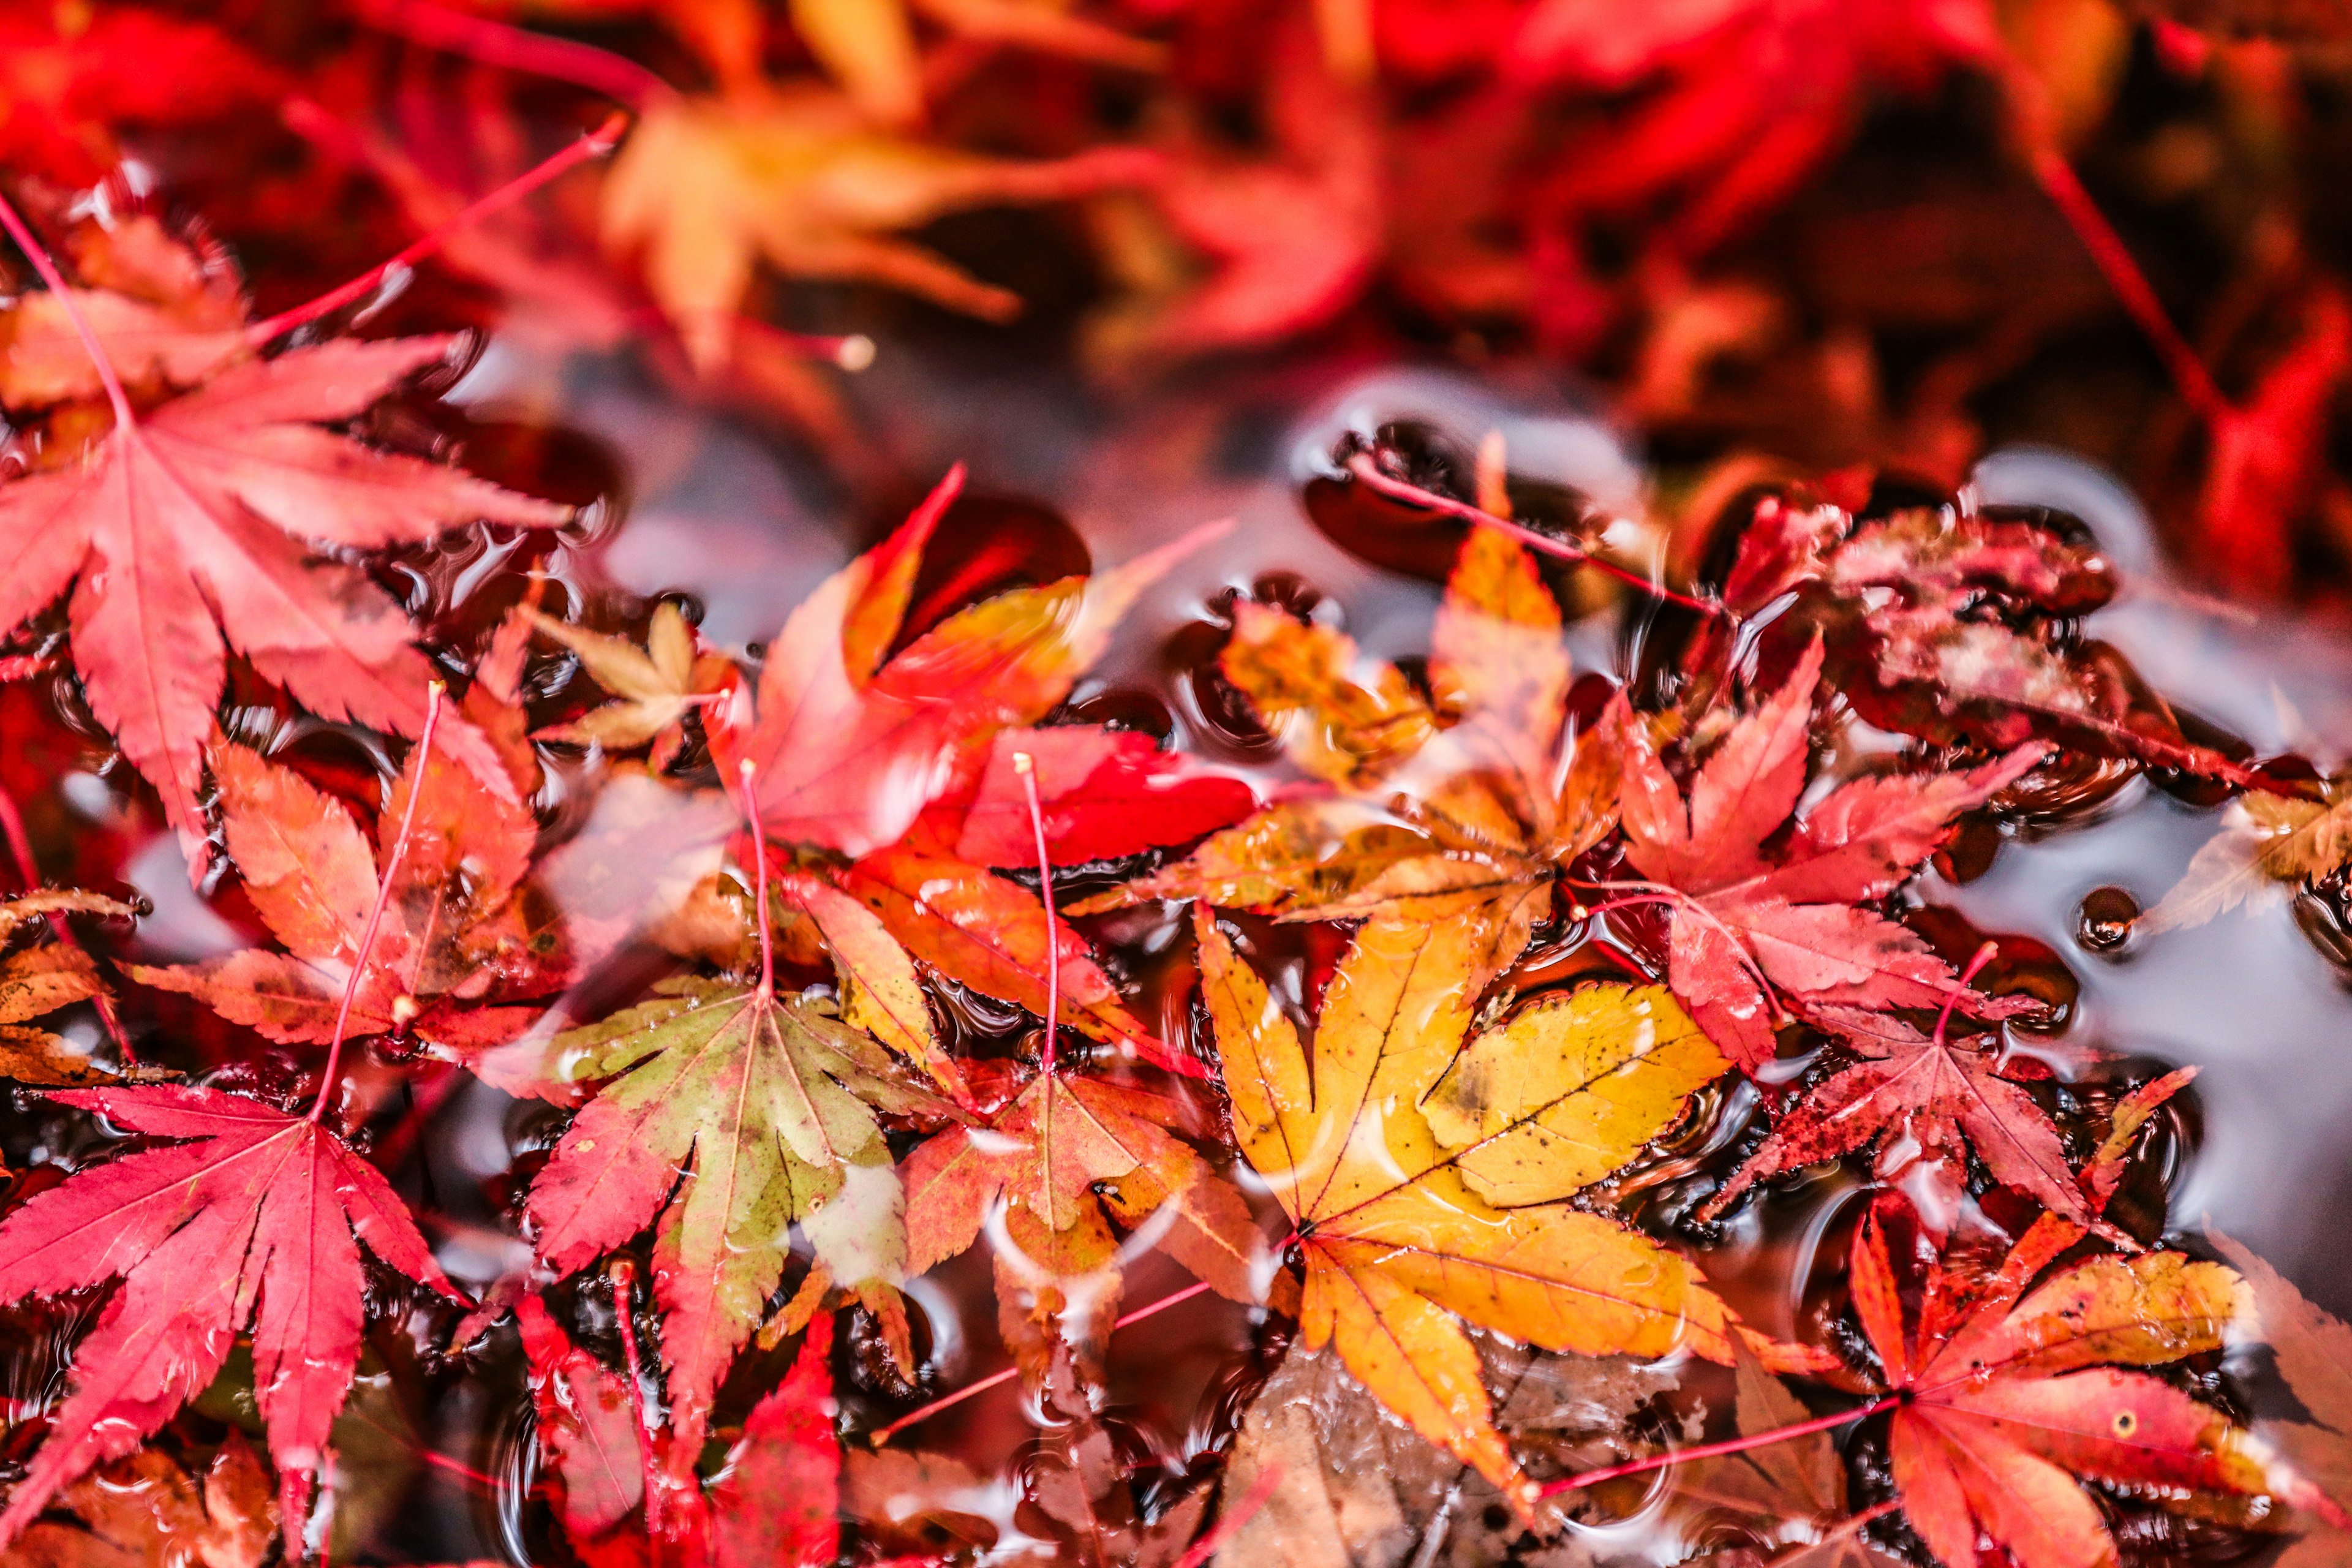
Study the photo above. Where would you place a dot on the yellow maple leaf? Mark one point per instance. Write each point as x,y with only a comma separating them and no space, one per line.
1426,1170
653,686
2267,845
798,176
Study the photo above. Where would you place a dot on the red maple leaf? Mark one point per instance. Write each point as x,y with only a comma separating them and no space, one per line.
587,1429
67,86
193,527
1956,626
907,766
2270,455
251,1217
1938,1092
1746,924
776,1503
1749,96
2006,1400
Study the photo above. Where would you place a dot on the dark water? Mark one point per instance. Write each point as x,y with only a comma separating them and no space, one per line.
742,529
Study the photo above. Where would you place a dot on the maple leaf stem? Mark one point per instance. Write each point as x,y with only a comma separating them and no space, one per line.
433,696
39,256
1240,1512
514,48
1010,1372
749,774
2056,177
596,143
2182,363
20,849
1026,766
623,1274
1984,955
1718,1450
1367,473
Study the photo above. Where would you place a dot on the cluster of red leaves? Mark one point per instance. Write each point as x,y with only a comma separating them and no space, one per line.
831,847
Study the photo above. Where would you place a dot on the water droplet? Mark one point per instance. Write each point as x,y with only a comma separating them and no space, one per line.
2104,923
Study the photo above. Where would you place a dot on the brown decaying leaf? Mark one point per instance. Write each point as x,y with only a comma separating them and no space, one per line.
1350,1486
143,1510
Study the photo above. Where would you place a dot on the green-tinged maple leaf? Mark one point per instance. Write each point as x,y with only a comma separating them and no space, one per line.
1428,1173
766,1102
1471,803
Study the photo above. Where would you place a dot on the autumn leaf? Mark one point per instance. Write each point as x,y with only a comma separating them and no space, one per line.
1387,1148
1790,1493
1934,1093
463,939
40,980
166,320
1746,926
187,532
1468,807
1063,1166
143,1510
907,764
1959,628
1251,250
766,1102
1748,96
654,687
777,1504
795,176
2267,843
1340,1481
2006,1410
1084,1487
2269,457
249,1217
2312,1351
71,83
587,1430
869,46
775,1501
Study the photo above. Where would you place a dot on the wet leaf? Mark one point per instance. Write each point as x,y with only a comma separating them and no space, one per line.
284,1197
2011,1404
1751,928
192,526
462,940
766,1102
1397,1247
